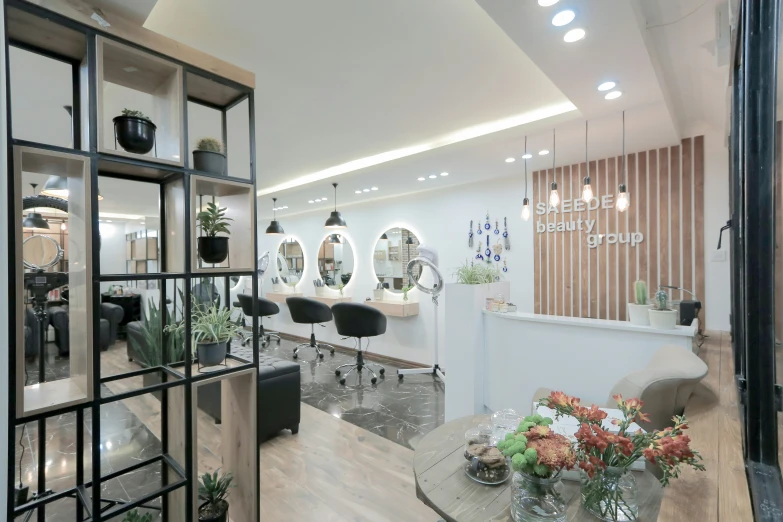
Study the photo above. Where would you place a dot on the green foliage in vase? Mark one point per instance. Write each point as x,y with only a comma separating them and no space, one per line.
640,287
135,114
477,274
662,300
210,324
213,489
135,516
209,145
158,337
213,221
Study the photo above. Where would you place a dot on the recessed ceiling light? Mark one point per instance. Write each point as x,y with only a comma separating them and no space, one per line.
527,156
547,3
543,152
285,207
606,86
510,160
318,200
311,201
365,190
421,179
444,174
108,220
433,176
357,192
374,188
563,18
574,35
613,95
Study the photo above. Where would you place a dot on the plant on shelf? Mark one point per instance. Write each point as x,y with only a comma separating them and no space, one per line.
662,316
153,338
405,291
340,288
135,516
476,274
213,221
134,131
213,489
538,455
608,486
209,156
211,329
637,311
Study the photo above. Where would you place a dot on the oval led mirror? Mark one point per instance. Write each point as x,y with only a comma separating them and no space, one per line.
290,262
392,252
335,261
263,264
41,252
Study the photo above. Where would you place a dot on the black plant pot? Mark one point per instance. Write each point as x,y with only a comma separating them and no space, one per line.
208,161
213,249
213,518
211,354
135,135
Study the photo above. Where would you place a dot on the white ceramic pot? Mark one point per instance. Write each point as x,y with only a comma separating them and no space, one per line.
663,319
637,314
320,291
377,294
277,288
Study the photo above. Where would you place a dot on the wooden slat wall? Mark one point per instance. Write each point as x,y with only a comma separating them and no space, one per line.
666,188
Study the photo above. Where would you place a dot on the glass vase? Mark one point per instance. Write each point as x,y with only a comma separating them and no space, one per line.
535,499
611,495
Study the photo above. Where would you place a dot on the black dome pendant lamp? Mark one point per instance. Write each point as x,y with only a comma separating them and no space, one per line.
274,228
335,220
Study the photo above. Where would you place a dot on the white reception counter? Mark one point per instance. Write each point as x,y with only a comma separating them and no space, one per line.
521,352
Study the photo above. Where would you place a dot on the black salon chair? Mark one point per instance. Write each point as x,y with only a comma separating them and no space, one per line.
312,312
264,308
360,321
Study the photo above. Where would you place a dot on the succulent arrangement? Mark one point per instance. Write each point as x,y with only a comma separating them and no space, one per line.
536,450
213,489
135,114
640,289
662,300
210,145
476,274
135,516
213,220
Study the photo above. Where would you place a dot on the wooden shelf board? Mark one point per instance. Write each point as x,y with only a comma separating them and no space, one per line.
280,298
140,157
212,186
52,163
220,269
45,34
51,395
134,69
206,90
395,308
329,300
118,165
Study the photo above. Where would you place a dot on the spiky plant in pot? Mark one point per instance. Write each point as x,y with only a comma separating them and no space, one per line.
213,489
209,156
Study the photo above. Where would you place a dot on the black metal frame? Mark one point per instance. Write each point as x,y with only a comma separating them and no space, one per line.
753,223
174,374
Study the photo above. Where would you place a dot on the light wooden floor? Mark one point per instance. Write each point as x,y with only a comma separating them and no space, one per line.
721,492
330,471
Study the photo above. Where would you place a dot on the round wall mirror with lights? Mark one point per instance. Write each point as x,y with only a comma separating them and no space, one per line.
290,262
41,252
335,261
393,249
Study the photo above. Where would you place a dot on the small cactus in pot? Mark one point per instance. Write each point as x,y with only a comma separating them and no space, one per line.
637,311
640,287
662,300
662,316
209,156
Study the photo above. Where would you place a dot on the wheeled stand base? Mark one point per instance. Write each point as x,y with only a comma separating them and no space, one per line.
313,344
433,370
359,365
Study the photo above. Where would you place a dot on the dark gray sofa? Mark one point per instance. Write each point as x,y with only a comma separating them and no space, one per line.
111,315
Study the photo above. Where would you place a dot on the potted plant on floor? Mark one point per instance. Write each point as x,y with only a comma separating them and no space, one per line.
608,487
538,456
209,157
213,491
135,132
637,311
213,221
662,317
135,516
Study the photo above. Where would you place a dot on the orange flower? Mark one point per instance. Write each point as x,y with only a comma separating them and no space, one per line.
554,451
634,404
642,417
538,432
558,398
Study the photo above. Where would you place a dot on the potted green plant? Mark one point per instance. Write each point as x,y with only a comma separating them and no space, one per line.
209,156
477,274
637,311
405,291
213,491
213,221
662,317
134,516
340,288
135,132
211,329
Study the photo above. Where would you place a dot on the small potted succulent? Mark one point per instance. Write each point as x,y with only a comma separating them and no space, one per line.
340,287
213,221
405,291
212,329
662,317
213,491
637,311
135,132
209,156
135,516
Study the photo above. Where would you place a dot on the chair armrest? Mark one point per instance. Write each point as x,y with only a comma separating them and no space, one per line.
539,394
112,312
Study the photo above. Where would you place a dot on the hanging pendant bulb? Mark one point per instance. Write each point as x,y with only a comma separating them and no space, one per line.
554,197
622,197
587,190
274,228
526,209
335,219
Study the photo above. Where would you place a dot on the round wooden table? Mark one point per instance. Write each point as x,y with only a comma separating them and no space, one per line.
441,482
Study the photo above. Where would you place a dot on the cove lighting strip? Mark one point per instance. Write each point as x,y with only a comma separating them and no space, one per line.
467,133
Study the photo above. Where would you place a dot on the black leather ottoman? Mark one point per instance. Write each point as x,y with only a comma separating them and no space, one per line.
278,389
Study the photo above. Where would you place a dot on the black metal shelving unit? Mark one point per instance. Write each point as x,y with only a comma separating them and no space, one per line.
87,491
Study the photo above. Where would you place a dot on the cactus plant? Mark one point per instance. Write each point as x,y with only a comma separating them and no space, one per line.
135,114
641,292
662,299
209,145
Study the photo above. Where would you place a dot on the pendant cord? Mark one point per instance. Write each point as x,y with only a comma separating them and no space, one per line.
587,162
274,209
335,196
623,171
554,152
525,167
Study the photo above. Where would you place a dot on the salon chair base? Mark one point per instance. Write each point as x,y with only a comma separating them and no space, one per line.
360,365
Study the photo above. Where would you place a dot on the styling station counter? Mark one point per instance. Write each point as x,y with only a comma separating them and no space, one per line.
521,352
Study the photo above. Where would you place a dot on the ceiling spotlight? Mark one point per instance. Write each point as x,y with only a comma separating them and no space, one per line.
444,174
547,3
318,200
311,201
574,35
374,188
365,190
527,156
433,176
357,192
543,152
563,18
323,199
607,86
285,207
613,95
421,179
510,160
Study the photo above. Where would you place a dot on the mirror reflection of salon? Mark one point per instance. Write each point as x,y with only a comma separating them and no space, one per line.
392,252
290,262
335,261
